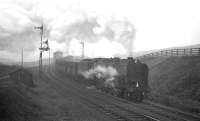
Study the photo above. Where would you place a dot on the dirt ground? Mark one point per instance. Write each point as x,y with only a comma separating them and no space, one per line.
64,106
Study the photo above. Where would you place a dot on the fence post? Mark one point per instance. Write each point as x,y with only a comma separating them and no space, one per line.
157,54
198,51
190,51
166,52
184,52
171,52
174,52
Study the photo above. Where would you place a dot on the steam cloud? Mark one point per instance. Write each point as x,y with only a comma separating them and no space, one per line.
121,31
89,29
19,19
100,72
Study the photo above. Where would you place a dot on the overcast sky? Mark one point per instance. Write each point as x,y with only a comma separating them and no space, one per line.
108,27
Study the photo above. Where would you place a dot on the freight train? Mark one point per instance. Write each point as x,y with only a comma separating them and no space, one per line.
131,82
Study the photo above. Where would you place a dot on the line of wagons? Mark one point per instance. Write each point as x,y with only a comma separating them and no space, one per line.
131,83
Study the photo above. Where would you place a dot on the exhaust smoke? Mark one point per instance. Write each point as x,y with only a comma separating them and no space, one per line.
105,74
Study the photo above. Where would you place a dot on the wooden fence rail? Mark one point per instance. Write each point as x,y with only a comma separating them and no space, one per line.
174,52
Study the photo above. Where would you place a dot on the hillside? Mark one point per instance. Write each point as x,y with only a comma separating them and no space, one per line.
16,103
175,81
141,53
4,69
45,61
20,102
7,61
17,99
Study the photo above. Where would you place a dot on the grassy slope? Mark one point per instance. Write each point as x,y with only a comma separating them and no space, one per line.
175,81
17,100
21,103
17,103
5,69
41,103
59,104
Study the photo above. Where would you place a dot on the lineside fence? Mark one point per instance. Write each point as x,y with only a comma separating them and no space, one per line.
174,52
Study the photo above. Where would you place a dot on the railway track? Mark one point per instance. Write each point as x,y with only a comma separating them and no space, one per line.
172,114
156,111
111,110
122,110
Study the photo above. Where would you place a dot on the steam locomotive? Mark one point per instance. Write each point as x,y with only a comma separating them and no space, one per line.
136,84
131,82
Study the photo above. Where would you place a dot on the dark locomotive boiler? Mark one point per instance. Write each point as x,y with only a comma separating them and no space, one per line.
136,82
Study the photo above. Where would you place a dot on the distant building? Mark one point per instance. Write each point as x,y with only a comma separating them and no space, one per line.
69,58
57,55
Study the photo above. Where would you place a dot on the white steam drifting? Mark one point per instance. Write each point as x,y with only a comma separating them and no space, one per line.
100,72
63,25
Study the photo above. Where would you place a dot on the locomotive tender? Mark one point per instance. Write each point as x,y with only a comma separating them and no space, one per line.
136,80
132,79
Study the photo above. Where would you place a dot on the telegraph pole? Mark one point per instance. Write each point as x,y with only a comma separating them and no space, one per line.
131,49
83,48
49,58
22,58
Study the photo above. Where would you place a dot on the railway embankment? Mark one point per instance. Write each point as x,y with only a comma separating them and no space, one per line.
175,81
17,98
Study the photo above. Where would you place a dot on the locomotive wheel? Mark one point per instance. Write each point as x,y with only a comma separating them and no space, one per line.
121,93
126,95
136,96
139,96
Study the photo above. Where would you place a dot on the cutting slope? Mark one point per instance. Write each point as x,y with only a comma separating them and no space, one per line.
17,100
175,80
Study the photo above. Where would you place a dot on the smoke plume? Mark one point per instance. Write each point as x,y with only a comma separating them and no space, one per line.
100,72
61,26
